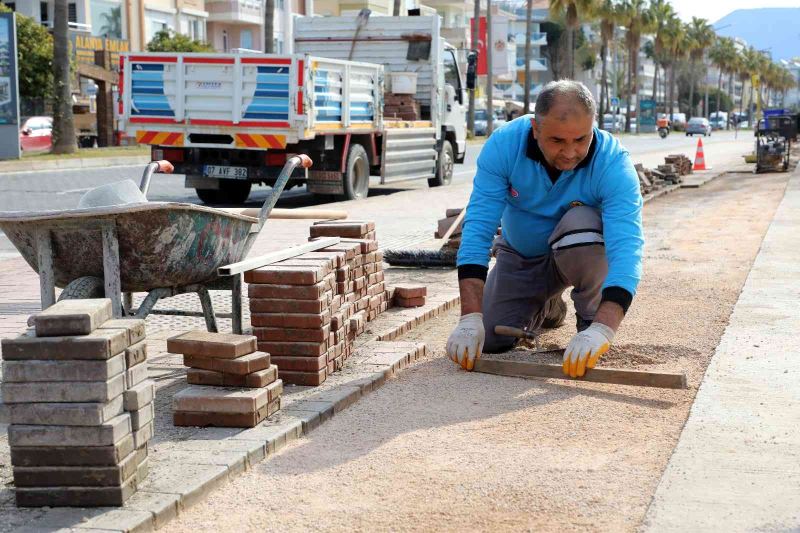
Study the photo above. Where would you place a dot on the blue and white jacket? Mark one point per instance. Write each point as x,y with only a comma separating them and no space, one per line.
512,188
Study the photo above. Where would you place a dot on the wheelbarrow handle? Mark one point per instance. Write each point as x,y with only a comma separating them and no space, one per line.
156,166
292,162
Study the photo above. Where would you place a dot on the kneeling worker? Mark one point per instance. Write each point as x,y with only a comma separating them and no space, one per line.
568,197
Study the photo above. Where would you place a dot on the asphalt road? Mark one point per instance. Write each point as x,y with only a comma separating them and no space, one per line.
61,189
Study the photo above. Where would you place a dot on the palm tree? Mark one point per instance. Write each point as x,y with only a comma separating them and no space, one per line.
701,35
112,22
638,20
661,12
608,14
526,108
722,54
63,124
575,10
676,46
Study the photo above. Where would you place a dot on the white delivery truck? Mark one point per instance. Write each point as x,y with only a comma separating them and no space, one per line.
227,121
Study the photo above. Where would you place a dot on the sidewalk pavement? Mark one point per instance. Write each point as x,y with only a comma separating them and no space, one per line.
71,163
737,464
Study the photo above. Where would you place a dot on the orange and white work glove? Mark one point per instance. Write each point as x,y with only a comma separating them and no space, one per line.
466,342
585,349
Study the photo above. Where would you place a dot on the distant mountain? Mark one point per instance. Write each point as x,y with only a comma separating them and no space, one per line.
774,28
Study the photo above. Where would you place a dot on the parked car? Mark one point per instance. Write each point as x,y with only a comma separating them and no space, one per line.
480,120
718,123
613,123
698,125
678,121
36,134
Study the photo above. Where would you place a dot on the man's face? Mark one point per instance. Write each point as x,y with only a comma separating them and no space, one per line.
564,136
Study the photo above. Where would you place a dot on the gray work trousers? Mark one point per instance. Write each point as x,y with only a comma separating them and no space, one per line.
518,291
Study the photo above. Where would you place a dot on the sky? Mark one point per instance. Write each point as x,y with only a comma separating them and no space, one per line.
714,10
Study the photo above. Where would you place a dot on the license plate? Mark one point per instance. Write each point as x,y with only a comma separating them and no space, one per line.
217,171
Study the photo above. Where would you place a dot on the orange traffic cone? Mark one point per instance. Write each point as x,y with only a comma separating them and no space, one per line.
700,158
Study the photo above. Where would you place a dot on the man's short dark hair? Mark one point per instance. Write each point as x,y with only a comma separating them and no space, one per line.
573,91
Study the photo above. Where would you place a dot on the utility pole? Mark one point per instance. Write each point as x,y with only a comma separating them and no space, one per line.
528,29
489,84
396,10
63,123
476,23
269,26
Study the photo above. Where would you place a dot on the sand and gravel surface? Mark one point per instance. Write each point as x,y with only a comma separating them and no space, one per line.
442,449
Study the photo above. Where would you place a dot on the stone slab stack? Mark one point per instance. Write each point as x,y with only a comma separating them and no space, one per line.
400,106
406,295
80,406
307,311
683,165
233,384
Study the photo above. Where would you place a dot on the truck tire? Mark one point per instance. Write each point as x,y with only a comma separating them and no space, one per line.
444,167
356,175
230,192
82,288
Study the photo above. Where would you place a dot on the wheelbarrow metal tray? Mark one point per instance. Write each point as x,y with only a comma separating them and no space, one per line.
160,244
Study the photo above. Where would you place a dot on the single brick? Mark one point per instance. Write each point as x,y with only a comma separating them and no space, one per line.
220,400
236,420
289,292
206,344
287,320
375,278
103,435
376,290
133,326
369,223
142,435
353,230
291,334
410,291
350,249
72,455
28,371
63,391
286,275
136,354
72,317
79,476
409,302
343,287
260,378
76,496
301,364
261,305
360,283
143,416
135,375
241,366
358,272
366,245
370,268
307,349
304,378
100,344
65,414
338,258
275,390
343,274
137,397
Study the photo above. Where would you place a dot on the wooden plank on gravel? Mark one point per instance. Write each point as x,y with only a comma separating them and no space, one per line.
616,376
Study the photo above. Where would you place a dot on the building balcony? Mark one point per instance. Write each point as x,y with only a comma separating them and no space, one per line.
458,37
538,64
235,12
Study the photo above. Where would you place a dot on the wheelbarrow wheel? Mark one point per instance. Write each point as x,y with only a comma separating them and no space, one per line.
82,288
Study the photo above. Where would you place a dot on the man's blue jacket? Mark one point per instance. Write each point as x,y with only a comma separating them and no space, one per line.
512,188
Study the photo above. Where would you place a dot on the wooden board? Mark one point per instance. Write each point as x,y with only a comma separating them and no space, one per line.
596,375
267,259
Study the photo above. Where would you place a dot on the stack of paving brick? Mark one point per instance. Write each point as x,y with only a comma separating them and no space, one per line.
234,385
307,311
400,106
80,406
409,295
683,165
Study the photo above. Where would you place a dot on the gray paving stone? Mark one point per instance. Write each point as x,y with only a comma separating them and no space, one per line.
163,506
63,391
143,416
137,397
274,436
235,461
255,450
72,317
100,344
128,520
72,455
75,496
322,407
143,435
135,376
309,419
191,482
341,397
134,328
136,354
27,371
104,435
203,399
79,476
65,414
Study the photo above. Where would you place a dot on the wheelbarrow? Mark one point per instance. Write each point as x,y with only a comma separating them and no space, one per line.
162,248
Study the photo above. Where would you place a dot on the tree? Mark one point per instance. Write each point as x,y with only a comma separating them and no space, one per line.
269,26
675,47
64,141
526,106
555,34
701,35
170,41
34,57
396,9
574,10
662,13
638,19
112,22
607,12
722,54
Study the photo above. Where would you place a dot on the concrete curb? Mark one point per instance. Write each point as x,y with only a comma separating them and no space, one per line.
221,454
72,163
